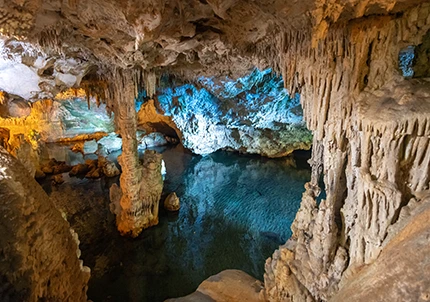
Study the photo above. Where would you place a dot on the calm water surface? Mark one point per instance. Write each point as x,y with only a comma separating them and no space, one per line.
235,211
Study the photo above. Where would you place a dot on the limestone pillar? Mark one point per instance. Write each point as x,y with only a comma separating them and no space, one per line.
135,203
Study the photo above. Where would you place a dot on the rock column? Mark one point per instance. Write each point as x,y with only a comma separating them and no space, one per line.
134,203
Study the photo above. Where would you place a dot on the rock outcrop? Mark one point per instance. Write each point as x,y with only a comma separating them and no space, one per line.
402,269
40,254
253,114
371,139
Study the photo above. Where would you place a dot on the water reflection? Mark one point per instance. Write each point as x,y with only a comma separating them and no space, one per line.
235,211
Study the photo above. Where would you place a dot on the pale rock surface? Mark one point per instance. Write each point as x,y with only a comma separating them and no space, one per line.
90,147
172,203
111,143
154,139
253,114
402,271
36,75
371,139
227,286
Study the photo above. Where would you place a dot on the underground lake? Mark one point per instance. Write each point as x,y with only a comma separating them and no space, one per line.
235,211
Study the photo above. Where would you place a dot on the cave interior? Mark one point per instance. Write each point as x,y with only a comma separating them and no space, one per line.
215,150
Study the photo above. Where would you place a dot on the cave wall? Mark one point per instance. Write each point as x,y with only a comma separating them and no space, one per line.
251,114
40,254
371,140
66,116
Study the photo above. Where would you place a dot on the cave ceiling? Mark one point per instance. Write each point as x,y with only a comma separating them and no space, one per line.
185,37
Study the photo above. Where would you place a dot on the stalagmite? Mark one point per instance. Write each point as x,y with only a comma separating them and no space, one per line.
135,203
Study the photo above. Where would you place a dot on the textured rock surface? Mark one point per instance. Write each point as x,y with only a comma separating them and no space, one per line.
171,203
134,215
370,125
403,268
63,119
253,114
216,37
32,74
40,254
227,286
151,119
371,138
136,201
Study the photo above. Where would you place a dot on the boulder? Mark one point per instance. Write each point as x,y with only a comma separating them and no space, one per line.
227,286
108,168
111,143
79,169
57,179
55,167
90,147
171,203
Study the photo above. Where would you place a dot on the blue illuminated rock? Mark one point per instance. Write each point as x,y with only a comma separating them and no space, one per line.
90,147
253,114
111,143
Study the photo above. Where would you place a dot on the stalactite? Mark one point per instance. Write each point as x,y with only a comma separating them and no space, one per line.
359,142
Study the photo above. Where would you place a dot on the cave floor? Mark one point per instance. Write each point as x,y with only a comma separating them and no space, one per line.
235,211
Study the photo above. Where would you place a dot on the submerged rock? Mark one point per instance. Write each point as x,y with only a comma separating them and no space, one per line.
171,203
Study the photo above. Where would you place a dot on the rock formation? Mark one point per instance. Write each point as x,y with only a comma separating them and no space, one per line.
40,253
136,201
227,286
253,114
370,144
171,203
363,97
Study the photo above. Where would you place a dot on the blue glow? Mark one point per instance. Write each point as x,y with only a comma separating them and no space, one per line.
406,58
215,113
76,118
